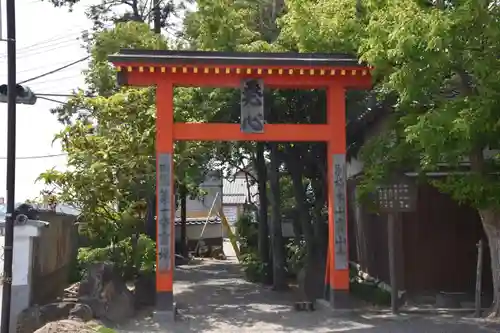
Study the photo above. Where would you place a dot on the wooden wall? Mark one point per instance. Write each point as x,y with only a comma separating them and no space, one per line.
437,245
54,253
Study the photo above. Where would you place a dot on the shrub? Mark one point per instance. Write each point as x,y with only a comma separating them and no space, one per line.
295,257
253,267
248,233
128,262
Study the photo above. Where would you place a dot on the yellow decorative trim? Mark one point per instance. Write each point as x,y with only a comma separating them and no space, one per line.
311,72
280,71
184,70
216,70
118,68
205,70
141,69
353,72
195,70
332,72
301,72
238,70
249,71
129,69
228,70
290,71
151,69
163,69
270,71
174,69
322,72
259,71
342,72
364,72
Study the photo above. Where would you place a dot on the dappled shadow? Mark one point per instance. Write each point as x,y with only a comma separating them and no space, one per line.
212,297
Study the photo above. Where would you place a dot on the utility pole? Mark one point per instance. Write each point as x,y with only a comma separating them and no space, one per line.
11,164
157,16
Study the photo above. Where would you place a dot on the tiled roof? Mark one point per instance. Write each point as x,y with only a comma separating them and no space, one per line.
198,221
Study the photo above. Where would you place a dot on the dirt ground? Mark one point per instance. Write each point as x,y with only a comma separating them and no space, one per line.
213,297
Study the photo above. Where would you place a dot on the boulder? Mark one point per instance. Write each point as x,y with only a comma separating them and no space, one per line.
145,290
67,326
106,293
36,316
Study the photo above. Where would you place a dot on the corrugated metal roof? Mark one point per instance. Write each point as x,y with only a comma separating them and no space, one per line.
198,221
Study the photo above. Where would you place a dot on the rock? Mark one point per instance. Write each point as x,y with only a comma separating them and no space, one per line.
105,292
218,253
36,316
67,326
81,312
145,290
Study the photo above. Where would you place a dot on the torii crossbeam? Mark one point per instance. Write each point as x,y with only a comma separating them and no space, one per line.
168,69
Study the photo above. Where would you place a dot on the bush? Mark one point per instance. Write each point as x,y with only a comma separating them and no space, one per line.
127,262
248,233
367,288
295,257
253,267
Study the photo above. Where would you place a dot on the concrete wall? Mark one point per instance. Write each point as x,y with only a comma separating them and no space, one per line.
21,267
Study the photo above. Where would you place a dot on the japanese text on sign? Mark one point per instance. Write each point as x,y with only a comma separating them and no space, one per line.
397,197
164,217
339,208
252,106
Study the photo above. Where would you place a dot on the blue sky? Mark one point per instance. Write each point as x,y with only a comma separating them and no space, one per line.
47,38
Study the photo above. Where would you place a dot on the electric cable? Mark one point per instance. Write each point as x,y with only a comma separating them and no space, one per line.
55,70
35,157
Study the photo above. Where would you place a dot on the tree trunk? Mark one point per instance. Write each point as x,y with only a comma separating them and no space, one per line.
278,248
320,225
303,212
263,241
490,219
491,223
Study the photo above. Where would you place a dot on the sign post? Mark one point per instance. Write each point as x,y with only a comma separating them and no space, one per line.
397,196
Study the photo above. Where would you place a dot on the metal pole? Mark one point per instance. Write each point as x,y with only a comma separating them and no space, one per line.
11,164
479,277
391,242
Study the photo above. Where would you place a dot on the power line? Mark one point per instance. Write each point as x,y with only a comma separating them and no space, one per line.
51,99
55,70
55,95
58,78
35,157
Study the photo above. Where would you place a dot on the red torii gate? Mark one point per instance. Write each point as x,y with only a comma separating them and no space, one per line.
167,69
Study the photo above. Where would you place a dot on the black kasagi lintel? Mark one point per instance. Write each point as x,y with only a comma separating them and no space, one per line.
200,58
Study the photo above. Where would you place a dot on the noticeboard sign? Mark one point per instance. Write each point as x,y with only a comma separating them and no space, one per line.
397,196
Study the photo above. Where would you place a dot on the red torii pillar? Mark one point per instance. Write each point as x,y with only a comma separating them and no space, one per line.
167,69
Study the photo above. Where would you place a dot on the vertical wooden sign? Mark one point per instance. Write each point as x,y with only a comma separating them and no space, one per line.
164,213
340,216
252,106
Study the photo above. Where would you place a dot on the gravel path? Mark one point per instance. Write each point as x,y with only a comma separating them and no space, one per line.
212,297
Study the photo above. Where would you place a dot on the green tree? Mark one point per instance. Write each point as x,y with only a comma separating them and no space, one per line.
110,138
439,61
108,12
